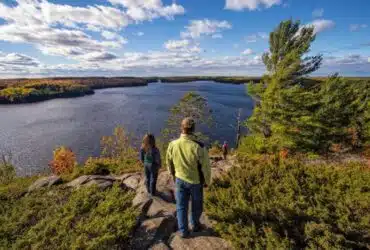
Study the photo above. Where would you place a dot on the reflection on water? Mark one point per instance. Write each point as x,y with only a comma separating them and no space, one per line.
32,131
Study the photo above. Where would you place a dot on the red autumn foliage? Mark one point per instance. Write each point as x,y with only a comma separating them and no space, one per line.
283,153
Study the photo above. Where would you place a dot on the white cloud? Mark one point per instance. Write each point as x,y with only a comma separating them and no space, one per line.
139,33
350,59
216,36
197,28
183,45
34,12
113,36
141,10
16,59
255,37
318,13
52,41
356,27
167,63
108,34
98,56
60,29
148,63
321,25
352,64
176,44
247,52
250,4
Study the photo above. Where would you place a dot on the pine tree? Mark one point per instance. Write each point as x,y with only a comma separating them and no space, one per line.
301,114
289,43
190,105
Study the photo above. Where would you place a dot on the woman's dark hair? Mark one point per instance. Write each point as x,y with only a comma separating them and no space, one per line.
148,142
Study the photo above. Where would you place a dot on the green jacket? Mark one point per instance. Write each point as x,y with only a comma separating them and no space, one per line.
183,156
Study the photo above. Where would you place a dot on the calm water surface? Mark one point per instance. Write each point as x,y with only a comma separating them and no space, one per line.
32,131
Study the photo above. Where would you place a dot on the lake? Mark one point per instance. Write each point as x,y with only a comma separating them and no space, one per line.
32,131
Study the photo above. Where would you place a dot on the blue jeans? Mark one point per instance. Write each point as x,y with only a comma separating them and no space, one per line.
185,191
151,175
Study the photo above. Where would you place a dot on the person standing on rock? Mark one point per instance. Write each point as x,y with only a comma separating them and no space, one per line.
151,159
225,149
188,162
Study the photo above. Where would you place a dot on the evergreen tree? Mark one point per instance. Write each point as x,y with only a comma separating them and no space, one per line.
301,114
190,105
281,99
289,43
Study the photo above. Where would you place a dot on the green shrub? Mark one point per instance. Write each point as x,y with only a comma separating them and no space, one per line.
293,206
216,148
7,173
59,218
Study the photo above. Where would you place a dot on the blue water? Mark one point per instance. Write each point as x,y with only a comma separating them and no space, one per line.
32,131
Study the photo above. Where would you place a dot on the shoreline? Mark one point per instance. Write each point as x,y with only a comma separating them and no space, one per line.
88,85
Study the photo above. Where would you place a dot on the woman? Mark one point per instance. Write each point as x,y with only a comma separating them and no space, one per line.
225,149
151,158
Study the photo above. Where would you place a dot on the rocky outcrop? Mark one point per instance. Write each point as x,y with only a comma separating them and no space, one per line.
199,241
131,180
153,230
160,246
45,182
101,181
157,224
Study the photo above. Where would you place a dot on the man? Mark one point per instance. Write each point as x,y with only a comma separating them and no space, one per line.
188,163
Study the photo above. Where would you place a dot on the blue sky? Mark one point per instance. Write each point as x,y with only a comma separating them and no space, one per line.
164,37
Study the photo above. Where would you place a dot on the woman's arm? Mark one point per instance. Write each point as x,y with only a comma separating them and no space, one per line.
141,155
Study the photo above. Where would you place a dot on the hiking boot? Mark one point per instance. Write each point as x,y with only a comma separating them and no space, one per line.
184,235
197,228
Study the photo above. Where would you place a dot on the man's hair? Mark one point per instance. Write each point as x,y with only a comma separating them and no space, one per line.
188,125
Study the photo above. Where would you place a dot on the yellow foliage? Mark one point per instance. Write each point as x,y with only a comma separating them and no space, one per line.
64,161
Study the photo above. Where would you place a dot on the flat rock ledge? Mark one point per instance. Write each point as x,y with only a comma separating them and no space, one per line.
157,224
45,182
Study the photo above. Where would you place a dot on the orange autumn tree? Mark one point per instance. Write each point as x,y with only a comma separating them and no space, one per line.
64,160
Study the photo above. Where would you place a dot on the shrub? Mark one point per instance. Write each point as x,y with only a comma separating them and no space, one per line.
57,218
7,173
7,170
216,148
293,206
64,161
118,154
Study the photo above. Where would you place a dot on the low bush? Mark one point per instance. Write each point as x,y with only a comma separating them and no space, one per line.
64,161
105,166
216,149
58,218
289,205
7,173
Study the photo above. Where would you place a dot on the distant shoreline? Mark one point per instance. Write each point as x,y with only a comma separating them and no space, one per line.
21,91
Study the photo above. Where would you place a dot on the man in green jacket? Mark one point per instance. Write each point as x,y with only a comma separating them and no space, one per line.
188,162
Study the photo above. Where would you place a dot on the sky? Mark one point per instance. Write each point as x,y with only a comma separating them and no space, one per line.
46,38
